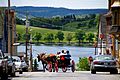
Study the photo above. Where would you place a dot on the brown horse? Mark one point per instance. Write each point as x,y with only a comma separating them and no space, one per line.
42,57
47,59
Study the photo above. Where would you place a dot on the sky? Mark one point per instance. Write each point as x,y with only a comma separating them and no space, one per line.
71,4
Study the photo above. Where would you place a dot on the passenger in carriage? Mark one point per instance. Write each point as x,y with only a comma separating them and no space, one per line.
68,55
58,55
63,52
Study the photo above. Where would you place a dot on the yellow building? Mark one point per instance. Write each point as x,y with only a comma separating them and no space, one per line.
113,23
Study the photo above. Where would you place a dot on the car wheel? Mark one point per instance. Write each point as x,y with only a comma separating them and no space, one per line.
4,76
115,71
25,69
20,72
13,73
93,72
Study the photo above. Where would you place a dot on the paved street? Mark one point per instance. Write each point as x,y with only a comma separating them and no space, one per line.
82,75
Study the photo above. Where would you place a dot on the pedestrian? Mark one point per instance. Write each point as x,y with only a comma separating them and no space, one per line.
107,51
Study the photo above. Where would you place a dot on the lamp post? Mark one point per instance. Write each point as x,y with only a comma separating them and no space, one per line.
95,45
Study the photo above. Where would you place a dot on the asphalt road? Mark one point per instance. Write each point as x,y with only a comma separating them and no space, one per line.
81,75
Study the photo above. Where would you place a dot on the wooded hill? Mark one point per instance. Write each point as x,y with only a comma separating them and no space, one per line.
49,12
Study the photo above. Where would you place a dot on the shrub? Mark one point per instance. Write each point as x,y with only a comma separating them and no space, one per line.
35,65
83,64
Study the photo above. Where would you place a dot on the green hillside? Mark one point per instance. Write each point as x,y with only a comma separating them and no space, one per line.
45,32
21,29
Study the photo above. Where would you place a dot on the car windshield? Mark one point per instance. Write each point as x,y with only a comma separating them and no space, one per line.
104,58
1,55
16,59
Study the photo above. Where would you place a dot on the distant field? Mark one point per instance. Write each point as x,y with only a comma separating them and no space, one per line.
21,29
43,31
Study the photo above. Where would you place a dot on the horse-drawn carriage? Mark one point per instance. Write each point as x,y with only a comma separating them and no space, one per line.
53,62
65,62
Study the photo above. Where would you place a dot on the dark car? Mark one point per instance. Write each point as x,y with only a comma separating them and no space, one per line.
3,66
11,67
104,63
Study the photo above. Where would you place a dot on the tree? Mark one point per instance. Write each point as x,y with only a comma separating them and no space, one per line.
79,35
37,36
60,36
69,37
90,37
19,36
23,36
20,21
49,37
35,65
92,16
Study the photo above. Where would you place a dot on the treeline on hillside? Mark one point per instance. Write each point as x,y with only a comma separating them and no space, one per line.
79,36
67,23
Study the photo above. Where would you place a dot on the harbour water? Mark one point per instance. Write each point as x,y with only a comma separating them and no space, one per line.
75,52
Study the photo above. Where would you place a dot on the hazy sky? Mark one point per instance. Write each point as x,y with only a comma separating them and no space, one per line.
71,4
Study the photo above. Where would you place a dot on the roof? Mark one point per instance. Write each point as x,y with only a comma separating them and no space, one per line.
116,4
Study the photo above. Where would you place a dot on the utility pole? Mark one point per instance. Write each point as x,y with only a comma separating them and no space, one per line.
31,60
27,24
9,32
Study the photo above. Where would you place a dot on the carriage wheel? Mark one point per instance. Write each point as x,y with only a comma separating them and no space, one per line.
50,67
64,69
56,67
73,66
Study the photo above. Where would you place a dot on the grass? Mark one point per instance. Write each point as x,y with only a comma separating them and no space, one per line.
43,31
22,29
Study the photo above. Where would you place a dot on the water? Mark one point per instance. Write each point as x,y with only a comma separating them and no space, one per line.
75,52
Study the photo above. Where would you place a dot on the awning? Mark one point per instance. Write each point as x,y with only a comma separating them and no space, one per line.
115,29
109,14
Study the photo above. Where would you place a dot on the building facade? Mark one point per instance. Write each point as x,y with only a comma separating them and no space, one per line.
113,23
7,31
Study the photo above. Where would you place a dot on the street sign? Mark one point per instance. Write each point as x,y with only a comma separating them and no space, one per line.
101,36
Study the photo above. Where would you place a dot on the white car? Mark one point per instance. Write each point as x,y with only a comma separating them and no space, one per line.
24,66
18,65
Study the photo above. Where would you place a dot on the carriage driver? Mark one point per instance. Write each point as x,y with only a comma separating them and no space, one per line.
68,55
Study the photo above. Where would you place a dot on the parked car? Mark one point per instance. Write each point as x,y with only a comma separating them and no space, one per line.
104,63
3,66
18,66
11,67
24,65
